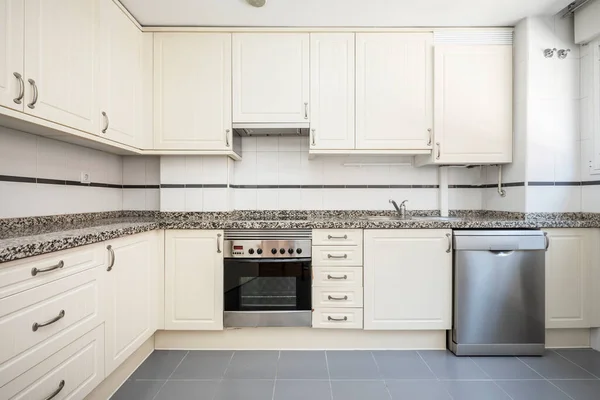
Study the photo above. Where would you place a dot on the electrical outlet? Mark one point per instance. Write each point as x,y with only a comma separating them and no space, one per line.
85,177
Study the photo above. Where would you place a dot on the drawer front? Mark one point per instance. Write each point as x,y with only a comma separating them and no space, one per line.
64,310
337,276
334,297
338,318
349,256
337,237
21,275
73,371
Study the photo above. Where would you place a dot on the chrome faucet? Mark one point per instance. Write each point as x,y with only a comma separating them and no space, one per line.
402,209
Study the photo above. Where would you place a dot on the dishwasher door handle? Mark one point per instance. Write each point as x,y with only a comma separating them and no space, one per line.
504,247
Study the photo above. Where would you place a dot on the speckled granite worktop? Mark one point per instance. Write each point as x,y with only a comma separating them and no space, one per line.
27,237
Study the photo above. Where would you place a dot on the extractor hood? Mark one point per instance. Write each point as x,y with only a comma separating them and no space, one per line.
272,129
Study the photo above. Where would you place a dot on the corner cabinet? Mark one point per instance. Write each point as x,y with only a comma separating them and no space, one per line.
192,91
12,19
408,279
132,295
193,280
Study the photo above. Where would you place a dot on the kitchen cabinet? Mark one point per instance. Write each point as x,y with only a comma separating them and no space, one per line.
569,265
131,295
472,121
12,19
60,60
393,91
193,280
271,77
331,91
192,91
119,58
407,279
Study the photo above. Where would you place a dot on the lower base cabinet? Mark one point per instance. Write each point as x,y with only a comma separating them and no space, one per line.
407,279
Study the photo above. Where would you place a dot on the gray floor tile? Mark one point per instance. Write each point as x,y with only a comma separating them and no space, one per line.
527,390
138,390
352,365
580,390
188,390
302,390
446,365
302,365
359,390
475,390
553,366
253,365
245,389
159,365
418,390
402,365
586,358
505,368
203,365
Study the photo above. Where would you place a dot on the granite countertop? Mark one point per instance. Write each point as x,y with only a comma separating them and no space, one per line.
27,237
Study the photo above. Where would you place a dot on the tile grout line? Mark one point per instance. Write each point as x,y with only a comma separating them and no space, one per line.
488,375
546,379
170,375
574,363
223,377
436,377
380,375
276,372
329,376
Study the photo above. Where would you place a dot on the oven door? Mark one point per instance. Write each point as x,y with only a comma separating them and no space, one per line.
267,292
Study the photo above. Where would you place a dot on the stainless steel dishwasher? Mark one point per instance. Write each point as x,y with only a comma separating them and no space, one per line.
499,293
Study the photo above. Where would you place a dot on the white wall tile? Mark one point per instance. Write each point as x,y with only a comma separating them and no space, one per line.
337,199
215,199
78,161
311,199
248,144
194,171
18,153
52,159
97,165
134,171
245,199
514,200
244,171
290,168
289,144
267,199
264,143
172,170
214,169
311,170
553,198
267,167
290,199
465,199
134,199
172,199
114,169
152,170
152,199
589,199
53,199
194,199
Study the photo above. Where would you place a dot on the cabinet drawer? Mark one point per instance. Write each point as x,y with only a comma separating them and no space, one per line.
337,276
21,275
75,370
337,255
338,318
334,297
337,237
64,310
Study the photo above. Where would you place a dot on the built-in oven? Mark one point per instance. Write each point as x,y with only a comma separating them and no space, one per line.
267,278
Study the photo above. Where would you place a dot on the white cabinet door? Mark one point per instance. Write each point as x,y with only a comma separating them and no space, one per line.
568,278
60,59
192,91
594,238
473,104
407,279
332,91
119,78
271,77
131,295
193,280
393,90
12,86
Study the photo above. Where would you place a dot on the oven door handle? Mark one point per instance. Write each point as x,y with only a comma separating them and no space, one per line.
270,260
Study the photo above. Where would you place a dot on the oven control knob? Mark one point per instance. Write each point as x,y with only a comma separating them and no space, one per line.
273,251
282,251
259,251
290,250
251,251
299,251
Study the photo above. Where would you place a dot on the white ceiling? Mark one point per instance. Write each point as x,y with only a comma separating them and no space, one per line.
335,13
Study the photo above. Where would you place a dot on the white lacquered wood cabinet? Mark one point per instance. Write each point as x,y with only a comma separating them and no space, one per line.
12,19
331,91
568,278
393,91
119,77
132,295
193,280
271,77
60,62
192,91
407,279
473,104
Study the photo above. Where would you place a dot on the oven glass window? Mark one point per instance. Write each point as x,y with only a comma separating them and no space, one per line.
267,292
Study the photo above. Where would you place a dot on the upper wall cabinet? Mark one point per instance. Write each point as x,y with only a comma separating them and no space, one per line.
331,91
473,104
393,91
119,80
12,86
271,77
192,91
60,55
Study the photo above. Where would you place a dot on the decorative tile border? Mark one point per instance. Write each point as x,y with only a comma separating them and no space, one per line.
61,182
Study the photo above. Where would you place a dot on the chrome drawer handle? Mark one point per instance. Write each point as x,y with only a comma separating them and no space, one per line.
449,237
35,94
219,243
112,258
337,298
60,387
305,110
105,115
337,237
337,319
35,271
332,256
313,137
547,240
227,138
337,277
60,316
21,88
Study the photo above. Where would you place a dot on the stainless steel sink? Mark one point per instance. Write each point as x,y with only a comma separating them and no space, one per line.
442,219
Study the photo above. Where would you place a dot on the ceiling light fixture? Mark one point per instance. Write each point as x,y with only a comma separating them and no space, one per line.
257,3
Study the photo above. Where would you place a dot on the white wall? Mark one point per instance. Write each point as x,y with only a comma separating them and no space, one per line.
141,183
